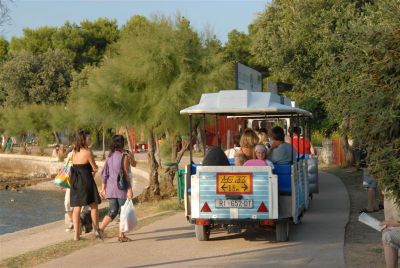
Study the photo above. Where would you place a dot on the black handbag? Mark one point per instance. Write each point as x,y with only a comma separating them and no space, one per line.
122,182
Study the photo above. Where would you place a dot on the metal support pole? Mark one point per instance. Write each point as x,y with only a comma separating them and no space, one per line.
190,139
291,135
205,135
216,129
298,138
304,135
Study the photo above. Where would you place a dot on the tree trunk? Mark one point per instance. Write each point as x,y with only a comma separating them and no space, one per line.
128,140
201,138
171,171
348,152
158,151
174,145
104,143
153,191
98,139
57,137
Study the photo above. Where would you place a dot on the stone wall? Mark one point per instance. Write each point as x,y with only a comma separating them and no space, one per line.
27,165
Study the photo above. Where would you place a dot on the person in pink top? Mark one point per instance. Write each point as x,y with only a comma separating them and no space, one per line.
118,159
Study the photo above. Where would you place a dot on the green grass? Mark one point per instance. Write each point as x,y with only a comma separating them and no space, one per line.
376,250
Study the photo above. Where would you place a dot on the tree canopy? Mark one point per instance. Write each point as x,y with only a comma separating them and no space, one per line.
85,44
35,79
344,54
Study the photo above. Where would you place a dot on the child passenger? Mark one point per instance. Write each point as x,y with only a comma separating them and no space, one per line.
261,154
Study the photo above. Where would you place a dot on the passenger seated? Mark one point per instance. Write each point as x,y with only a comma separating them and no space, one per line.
248,141
280,151
240,159
261,154
215,157
255,163
302,143
230,153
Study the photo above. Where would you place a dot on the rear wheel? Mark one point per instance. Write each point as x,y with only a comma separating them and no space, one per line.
202,232
282,231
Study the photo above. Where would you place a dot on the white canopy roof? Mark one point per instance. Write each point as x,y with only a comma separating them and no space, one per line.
243,102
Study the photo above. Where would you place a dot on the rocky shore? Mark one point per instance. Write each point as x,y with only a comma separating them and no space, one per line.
14,182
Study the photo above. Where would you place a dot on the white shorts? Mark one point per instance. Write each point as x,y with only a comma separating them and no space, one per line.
67,204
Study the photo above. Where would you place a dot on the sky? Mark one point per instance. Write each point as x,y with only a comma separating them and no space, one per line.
220,16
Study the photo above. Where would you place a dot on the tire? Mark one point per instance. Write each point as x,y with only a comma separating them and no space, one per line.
202,232
282,231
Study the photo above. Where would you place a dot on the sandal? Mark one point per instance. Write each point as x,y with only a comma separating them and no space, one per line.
124,239
99,234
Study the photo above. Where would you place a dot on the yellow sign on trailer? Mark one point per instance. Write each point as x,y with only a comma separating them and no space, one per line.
234,183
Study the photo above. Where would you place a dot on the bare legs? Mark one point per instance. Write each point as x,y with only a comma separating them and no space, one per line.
106,221
391,256
94,213
77,222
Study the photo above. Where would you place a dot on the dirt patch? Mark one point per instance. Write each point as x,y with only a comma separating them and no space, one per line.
363,247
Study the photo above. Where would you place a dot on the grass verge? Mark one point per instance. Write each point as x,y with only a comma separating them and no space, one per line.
143,210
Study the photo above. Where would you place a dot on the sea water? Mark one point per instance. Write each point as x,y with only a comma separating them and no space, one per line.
29,208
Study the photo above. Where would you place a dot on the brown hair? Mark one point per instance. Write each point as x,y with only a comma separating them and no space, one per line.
249,139
81,140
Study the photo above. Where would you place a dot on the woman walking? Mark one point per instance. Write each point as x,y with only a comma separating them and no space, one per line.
117,160
83,187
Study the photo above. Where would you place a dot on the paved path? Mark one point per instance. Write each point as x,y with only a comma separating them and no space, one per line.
17,243
317,242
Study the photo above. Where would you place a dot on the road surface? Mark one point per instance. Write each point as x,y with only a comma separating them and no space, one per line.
316,242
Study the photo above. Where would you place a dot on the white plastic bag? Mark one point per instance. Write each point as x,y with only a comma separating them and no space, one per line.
128,219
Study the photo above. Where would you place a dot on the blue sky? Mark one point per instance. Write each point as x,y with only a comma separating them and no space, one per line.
220,16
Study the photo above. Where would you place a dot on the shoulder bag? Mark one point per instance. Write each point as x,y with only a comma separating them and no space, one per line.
122,182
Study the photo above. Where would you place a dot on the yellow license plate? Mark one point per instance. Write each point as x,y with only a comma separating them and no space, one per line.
234,183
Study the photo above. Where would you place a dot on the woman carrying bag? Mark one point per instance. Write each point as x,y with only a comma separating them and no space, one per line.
116,168
83,187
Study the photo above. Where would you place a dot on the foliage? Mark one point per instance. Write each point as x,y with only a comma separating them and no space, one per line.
85,44
372,62
321,121
28,119
345,54
317,138
159,69
28,78
3,48
238,47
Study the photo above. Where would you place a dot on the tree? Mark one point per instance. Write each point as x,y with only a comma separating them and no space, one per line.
43,78
158,70
368,80
4,11
36,41
18,121
238,47
3,48
297,41
85,44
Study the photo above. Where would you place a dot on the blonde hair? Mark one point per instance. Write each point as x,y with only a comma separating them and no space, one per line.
263,137
249,139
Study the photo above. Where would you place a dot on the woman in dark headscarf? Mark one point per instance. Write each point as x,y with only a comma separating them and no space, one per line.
215,157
